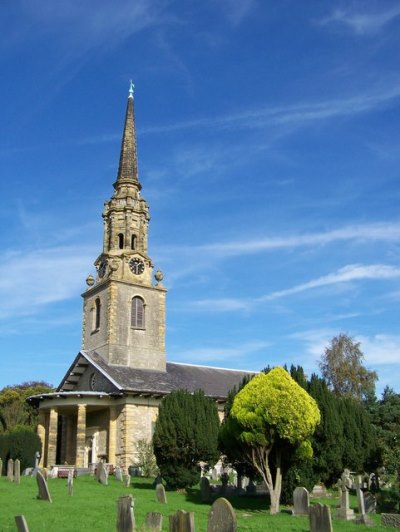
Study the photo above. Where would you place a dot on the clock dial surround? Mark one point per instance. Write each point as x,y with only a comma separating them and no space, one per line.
136,266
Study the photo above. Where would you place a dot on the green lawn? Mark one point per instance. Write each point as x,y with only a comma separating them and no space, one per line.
93,508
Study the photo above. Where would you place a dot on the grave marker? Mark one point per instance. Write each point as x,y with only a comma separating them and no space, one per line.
345,483
181,521
10,470
301,501
17,471
118,473
102,474
22,525
320,518
160,494
362,518
205,490
43,489
125,518
1,467
127,481
70,482
153,522
370,502
222,517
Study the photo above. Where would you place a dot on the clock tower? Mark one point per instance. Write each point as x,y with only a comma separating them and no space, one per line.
123,311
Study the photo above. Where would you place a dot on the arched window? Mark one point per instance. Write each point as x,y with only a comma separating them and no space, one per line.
121,241
133,242
96,315
137,314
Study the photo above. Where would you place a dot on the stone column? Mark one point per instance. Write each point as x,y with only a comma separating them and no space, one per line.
80,436
41,431
112,435
127,424
52,441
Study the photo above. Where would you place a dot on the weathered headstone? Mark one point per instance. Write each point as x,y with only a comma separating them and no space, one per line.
70,482
346,482
102,474
10,469
181,521
301,501
125,517
362,518
43,489
22,525
319,490
153,522
221,517
118,473
127,481
369,502
391,520
160,494
17,471
1,467
205,490
320,518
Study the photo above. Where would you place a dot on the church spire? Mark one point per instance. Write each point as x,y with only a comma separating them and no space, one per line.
128,167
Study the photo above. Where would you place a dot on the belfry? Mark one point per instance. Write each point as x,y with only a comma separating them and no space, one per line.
108,399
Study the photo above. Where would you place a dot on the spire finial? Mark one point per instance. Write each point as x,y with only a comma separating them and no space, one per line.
131,89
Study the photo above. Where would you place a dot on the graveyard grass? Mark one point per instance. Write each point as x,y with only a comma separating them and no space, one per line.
94,507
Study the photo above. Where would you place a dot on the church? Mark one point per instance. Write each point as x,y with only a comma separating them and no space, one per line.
108,399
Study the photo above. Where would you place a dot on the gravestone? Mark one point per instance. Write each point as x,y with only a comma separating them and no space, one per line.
221,517
10,469
125,517
17,471
369,502
153,522
43,489
205,490
345,483
391,520
319,490
157,480
22,525
160,494
118,473
320,518
362,518
181,522
102,474
301,501
127,481
70,482
1,467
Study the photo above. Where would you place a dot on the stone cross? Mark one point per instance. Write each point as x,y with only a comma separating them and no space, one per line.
10,469
221,517
43,489
17,471
125,517
160,494
153,522
22,525
181,521
301,501
70,482
320,518
345,483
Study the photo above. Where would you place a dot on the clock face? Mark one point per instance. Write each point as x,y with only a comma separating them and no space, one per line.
102,268
136,265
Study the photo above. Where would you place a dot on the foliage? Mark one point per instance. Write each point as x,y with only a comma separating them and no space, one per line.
274,417
14,410
343,369
146,459
21,443
186,433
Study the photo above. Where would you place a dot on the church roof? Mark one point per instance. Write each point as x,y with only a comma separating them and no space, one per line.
215,382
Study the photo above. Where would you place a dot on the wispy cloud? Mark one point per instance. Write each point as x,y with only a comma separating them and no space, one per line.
362,23
381,349
236,11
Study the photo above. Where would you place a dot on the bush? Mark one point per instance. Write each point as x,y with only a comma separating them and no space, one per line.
146,459
21,443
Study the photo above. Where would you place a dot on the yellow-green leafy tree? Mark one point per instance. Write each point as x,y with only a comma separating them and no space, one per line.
274,416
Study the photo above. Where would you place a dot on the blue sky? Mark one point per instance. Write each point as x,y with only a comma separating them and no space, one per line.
268,142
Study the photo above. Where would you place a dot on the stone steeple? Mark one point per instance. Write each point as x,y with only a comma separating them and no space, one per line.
124,313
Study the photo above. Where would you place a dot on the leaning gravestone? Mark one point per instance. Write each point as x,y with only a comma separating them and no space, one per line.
160,494
17,471
153,522
70,482
127,481
10,469
181,521
22,525
370,502
125,517
43,489
221,517
102,474
301,501
320,518
118,473
205,490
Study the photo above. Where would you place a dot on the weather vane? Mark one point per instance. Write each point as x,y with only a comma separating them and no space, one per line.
131,89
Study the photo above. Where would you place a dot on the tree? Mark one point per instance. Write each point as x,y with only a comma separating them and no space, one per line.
274,416
386,418
185,434
342,367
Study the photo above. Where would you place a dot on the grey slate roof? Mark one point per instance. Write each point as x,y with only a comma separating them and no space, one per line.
215,382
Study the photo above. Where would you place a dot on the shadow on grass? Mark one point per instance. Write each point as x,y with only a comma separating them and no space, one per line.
243,503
